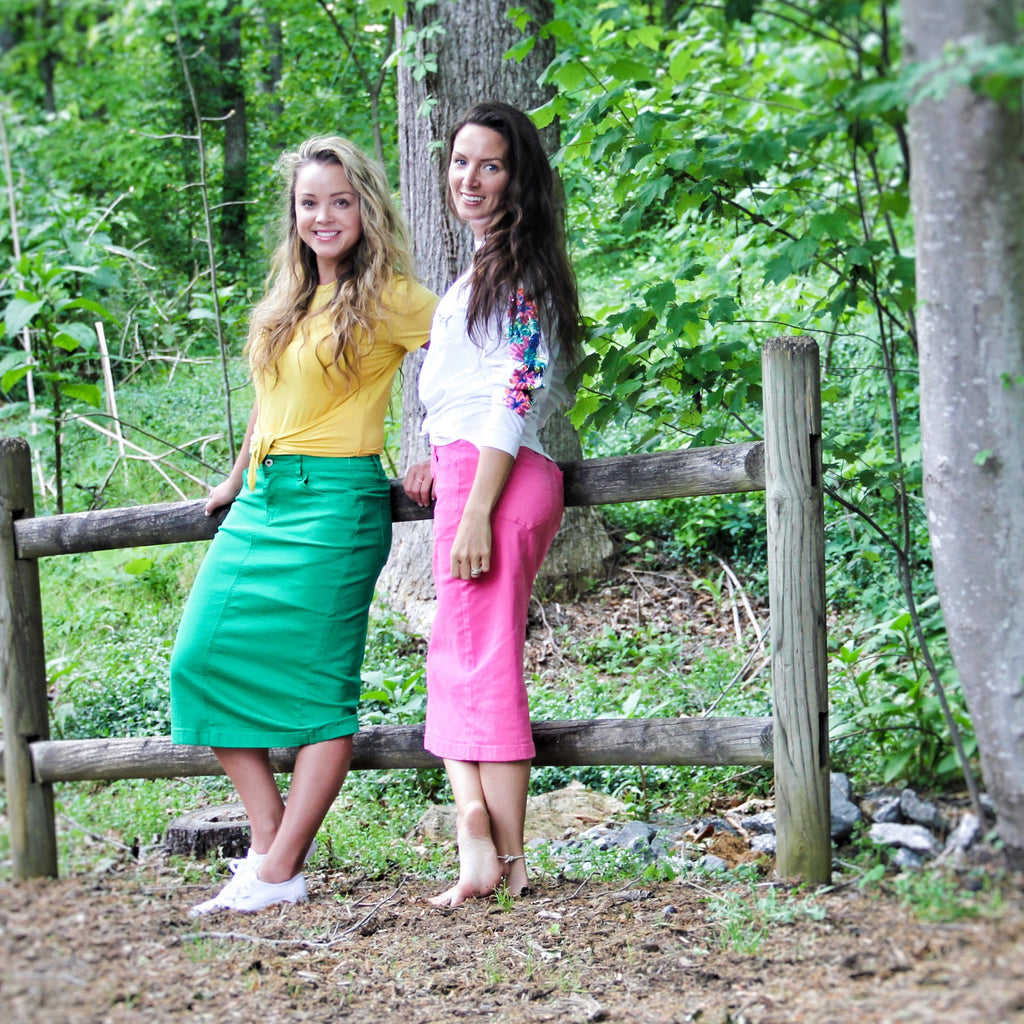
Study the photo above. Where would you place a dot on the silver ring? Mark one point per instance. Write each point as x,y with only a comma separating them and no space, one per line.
475,572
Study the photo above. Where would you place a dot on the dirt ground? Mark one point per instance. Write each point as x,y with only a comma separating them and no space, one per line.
121,947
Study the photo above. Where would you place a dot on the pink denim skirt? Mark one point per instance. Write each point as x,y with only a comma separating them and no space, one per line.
477,707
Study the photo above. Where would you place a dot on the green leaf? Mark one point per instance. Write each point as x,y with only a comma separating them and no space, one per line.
19,312
83,392
12,377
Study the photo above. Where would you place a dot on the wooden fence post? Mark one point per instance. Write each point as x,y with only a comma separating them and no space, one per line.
23,675
796,590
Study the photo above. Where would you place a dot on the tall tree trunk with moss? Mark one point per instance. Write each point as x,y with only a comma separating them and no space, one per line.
967,203
454,57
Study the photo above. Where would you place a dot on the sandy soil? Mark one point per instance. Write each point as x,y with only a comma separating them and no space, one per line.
121,947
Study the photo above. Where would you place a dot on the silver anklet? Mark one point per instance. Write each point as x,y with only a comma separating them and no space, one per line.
508,858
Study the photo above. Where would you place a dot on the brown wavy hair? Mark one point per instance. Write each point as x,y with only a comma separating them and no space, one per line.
525,245
357,306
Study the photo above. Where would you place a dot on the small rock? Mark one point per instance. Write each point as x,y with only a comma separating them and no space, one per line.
634,835
766,843
906,860
961,839
882,805
600,837
669,911
844,815
912,837
709,862
760,824
840,787
919,811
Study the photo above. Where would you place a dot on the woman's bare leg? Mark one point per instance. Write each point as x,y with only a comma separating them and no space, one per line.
479,870
250,773
505,785
320,770
491,802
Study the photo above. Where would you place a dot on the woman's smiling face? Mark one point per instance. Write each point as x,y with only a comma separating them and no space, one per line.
327,217
478,176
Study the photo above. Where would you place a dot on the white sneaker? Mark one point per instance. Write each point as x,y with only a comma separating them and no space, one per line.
247,892
254,894
223,899
253,860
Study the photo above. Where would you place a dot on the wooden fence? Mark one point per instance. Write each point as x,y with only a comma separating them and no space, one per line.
786,465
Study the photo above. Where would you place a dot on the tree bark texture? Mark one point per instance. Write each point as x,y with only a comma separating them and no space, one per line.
234,189
967,192
468,51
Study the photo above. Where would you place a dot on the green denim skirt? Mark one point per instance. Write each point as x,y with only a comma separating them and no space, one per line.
270,645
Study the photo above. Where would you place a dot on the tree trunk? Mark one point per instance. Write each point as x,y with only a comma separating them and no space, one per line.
967,201
470,68
236,144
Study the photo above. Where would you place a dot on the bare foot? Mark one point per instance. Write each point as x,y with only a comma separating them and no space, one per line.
479,870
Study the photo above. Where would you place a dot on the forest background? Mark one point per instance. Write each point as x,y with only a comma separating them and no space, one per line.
733,171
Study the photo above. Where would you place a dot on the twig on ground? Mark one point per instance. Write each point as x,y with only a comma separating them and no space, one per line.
96,835
734,582
551,633
336,939
741,674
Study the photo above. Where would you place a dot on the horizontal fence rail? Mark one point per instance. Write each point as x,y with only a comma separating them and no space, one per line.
726,469
603,741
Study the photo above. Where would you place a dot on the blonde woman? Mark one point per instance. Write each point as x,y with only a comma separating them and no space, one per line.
271,641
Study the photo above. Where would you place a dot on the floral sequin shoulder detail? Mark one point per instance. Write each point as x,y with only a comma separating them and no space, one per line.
525,345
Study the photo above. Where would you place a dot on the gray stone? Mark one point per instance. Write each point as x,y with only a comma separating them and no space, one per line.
600,838
919,811
961,839
760,824
845,813
844,816
882,805
709,862
764,843
912,837
634,835
840,787
906,860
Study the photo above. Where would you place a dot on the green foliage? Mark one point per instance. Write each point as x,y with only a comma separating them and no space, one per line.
940,896
886,721
746,919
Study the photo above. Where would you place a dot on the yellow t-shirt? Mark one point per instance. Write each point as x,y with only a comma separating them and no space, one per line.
305,410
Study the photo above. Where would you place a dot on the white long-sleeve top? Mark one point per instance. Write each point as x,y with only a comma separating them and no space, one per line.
495,394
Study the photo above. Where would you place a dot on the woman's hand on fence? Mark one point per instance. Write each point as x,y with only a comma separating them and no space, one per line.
223,494
419,483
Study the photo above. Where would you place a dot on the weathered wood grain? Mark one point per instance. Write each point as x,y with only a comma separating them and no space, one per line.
685,741
796,595
30,818
724,469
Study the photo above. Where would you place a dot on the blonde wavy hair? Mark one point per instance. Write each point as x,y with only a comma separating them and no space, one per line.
357,306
